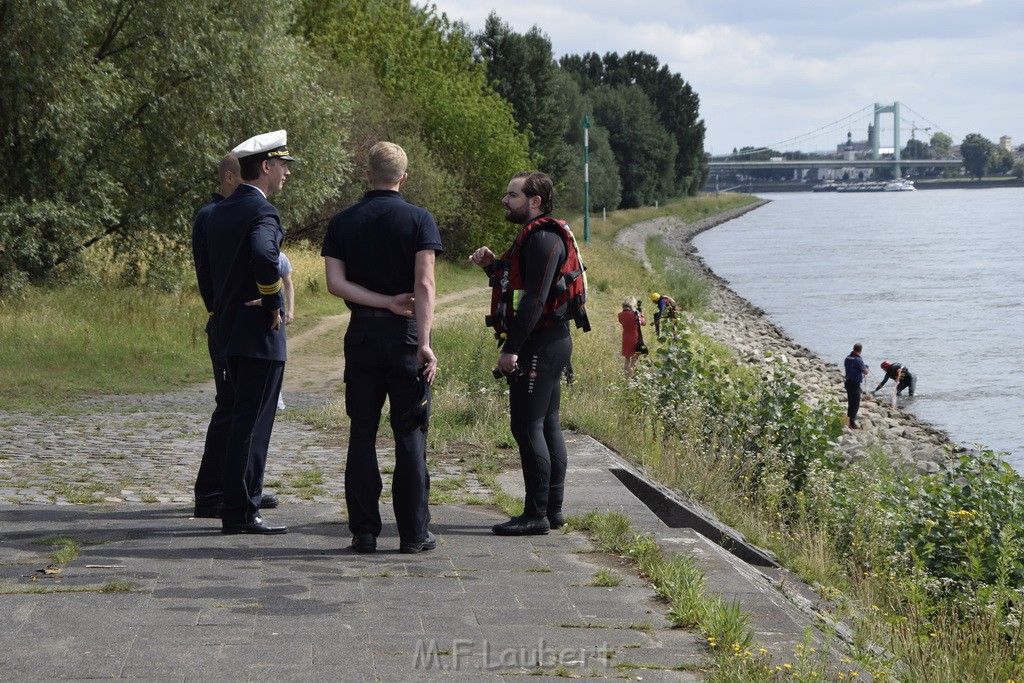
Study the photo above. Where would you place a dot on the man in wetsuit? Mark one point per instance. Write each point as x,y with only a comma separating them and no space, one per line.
900,374
534,355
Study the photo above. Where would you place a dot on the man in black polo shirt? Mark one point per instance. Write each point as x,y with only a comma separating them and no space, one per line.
379,257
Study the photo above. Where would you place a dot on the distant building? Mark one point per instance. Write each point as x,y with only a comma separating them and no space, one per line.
851,150
1006,142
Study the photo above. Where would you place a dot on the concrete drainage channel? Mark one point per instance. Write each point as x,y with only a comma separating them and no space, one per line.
678,514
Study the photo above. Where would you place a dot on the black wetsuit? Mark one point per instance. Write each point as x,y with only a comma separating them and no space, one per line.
905,380
544,350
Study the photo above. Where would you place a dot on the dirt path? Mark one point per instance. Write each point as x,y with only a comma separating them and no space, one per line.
316,356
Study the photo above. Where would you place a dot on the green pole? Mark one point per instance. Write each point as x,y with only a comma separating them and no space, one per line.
586,179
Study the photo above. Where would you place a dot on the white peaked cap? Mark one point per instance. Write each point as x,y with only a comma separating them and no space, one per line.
266,146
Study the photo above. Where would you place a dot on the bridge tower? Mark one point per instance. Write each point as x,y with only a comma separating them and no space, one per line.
894,109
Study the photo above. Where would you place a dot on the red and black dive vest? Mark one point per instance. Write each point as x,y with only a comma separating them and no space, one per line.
568,295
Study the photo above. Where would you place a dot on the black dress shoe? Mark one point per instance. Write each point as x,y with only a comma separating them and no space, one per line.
364,542
269,501
523,526
556,519
208,511
256,526
428,543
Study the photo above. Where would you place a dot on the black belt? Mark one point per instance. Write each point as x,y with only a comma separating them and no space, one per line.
374,313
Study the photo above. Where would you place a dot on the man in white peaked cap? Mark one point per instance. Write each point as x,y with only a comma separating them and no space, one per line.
247,302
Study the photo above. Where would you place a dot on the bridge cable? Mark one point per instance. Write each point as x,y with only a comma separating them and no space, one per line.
809,134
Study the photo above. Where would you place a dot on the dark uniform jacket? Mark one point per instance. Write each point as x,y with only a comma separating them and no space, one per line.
200,258
243,247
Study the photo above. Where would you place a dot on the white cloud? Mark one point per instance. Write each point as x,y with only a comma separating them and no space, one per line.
767,72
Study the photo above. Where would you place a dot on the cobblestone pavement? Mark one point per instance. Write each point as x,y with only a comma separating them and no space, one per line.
141,449
147,448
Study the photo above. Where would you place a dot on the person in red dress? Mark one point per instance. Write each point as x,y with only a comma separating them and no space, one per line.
631,318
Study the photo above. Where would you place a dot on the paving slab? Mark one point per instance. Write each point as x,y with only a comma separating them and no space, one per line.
157,595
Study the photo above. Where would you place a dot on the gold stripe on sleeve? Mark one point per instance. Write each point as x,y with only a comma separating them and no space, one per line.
267,290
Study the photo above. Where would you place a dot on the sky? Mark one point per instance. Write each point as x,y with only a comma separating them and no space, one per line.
801,74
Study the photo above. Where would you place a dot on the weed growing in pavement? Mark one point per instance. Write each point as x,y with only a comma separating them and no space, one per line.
605,578
307,483
118,586
677,581
64,549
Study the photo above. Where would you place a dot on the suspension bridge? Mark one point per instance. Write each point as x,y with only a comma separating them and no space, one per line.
874,153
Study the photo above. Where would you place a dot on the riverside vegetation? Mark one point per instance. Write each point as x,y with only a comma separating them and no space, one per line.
927,570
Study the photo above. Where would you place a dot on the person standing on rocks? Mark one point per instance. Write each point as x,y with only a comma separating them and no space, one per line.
856,371
379,257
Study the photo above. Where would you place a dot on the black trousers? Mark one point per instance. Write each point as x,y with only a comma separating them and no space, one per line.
380,362
907,380
209,488
853,391
535,394
257,383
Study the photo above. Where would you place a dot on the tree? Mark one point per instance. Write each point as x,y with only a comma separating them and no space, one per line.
522,69
676,104
1000,160
114,115
644,151
605,186
916,149
941,145
425,64
976,152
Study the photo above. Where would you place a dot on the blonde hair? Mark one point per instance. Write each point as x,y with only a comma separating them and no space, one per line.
387,163
629,303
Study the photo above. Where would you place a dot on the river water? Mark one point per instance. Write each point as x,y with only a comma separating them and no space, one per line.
932,279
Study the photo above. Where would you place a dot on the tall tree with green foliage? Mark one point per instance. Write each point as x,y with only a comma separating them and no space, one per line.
644,151
976,151
941,144
916,149
113,116
549,107
1000,160
425,63
677,105
605,189
522,69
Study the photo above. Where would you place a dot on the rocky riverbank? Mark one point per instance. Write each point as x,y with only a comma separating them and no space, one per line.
745,328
